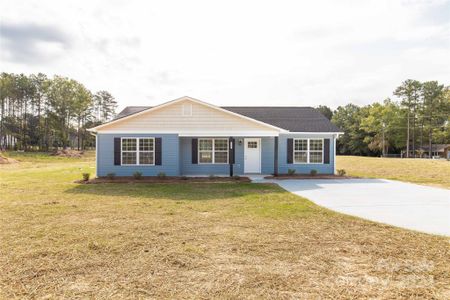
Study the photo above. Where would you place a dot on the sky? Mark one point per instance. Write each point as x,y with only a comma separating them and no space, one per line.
279,53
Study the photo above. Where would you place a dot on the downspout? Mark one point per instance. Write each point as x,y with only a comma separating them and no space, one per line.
231,155
96,152
275,159
334,152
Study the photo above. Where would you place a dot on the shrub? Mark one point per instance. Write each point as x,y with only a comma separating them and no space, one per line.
313,172
212,176
137,175
236,177
291,171
184,178
86,176
341,172
111,175
161,175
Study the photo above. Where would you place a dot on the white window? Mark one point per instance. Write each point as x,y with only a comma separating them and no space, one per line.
213,151
205,151
315,151
138,151
220,151
308,151
300,151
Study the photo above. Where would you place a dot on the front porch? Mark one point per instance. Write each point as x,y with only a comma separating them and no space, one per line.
245,155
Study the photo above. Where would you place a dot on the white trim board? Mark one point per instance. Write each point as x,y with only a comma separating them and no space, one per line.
218,133
197,134
313,133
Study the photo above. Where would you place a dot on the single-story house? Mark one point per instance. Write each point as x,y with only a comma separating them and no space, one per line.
187,136
437,150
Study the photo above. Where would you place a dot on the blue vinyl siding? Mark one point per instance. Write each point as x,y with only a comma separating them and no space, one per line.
177,157
283,166
170,156
267,155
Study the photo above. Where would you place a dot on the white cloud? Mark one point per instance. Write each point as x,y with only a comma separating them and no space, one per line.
240,52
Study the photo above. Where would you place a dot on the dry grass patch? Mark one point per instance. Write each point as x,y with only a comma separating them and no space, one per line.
193,240
421,171
5,160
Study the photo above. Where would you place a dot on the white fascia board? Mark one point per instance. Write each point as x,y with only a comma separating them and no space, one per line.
199,134
229,133
312,133
95,129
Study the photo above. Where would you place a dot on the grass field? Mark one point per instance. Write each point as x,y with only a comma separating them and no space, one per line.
229,240
421,171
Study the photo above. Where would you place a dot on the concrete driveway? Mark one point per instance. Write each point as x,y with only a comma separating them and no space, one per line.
406,205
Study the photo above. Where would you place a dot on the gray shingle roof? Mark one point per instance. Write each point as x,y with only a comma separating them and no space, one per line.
292,118
435,147
129,110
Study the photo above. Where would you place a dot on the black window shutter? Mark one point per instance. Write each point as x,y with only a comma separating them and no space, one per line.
290,150
194,151
326,151
117,145
158,152
231,151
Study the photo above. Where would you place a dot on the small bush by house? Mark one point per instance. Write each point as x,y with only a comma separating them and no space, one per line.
341,172
86,176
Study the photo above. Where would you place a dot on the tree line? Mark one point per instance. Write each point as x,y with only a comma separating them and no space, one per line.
41,113
409,126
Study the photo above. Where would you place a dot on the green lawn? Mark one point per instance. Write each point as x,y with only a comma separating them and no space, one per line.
421,171
60,239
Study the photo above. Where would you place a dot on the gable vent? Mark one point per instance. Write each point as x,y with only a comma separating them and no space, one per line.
187,109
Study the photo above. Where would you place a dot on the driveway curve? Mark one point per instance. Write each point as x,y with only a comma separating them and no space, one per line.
405,205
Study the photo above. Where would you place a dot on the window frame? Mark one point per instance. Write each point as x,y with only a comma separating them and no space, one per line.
300,151
138,151
213,151
308,151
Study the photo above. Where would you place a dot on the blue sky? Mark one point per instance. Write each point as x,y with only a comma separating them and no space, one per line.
302,53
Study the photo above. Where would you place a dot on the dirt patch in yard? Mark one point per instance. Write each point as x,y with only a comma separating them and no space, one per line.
5,160
68,153
167,179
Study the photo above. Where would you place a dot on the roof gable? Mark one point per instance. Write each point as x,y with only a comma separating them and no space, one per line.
169,117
